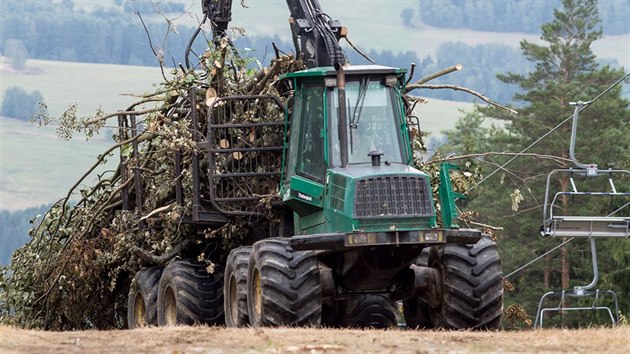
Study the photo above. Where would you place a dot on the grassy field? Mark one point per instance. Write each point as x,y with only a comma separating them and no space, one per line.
90,85
201,339
36,167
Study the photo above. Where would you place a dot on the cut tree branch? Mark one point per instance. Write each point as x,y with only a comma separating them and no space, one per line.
163,259
464,89
435,75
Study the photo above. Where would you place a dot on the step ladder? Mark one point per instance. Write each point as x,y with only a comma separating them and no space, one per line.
591,227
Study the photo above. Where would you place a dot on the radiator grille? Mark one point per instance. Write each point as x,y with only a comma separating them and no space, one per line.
393,196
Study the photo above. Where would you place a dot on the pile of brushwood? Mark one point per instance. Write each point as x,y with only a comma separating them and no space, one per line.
76,270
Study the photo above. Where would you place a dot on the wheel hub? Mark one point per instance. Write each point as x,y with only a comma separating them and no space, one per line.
257,298
139,311
232,300
170,307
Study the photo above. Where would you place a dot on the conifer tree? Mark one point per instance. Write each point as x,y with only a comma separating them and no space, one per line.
566,70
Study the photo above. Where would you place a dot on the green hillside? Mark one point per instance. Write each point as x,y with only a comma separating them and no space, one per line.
36,167
90,85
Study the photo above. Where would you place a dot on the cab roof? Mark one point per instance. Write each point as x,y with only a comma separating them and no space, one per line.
349,70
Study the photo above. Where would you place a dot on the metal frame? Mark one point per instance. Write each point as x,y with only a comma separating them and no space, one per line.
590,227
584,226
214,129
580,292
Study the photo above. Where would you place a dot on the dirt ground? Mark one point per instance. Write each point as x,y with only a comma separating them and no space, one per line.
179,340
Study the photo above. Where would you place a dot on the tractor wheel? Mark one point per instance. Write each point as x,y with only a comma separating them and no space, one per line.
283,286
472,288
235,289
143,294
188,294
416,310
370,311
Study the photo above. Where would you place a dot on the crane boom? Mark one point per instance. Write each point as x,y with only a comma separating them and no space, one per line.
315,35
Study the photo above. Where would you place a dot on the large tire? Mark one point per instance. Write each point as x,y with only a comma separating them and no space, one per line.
188,295
283,286
235,289
370,311
142,302
472,288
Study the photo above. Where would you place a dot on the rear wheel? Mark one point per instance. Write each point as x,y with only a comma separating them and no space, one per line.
472,288
370,311
188,294
283,285
143,294
235,289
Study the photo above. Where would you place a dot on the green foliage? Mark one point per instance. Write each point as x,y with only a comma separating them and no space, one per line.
565,70
16,52
17,103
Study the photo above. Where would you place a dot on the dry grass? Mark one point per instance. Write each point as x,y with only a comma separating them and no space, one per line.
283,340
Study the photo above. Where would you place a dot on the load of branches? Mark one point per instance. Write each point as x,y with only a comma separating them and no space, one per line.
76,270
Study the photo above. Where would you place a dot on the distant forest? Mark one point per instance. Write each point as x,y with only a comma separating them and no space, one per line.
115,35
510,15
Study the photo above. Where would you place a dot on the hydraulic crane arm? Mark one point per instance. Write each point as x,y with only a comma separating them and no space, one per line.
219,12
316,36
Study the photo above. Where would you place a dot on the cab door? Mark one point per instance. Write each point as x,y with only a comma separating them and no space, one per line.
306,167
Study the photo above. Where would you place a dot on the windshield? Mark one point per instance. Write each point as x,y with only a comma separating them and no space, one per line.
372,123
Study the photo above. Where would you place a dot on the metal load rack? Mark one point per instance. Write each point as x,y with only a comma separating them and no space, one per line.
595,185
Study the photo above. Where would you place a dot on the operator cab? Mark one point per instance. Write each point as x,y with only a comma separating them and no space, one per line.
374,113
358,181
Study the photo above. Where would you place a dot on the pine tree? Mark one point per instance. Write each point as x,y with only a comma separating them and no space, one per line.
566,70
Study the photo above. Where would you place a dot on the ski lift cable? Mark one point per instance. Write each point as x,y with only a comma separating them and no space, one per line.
502,167
558,246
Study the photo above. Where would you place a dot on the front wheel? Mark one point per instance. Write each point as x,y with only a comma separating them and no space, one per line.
188,295
472,288
470,285
283,285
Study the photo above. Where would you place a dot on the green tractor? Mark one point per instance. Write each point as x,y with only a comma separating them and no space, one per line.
364,221
358,229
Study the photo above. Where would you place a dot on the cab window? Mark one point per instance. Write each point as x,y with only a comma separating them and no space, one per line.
310,118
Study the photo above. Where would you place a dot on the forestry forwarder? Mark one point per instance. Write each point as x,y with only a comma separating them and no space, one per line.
358,228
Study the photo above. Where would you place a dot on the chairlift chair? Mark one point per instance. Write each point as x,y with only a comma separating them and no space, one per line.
584,226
